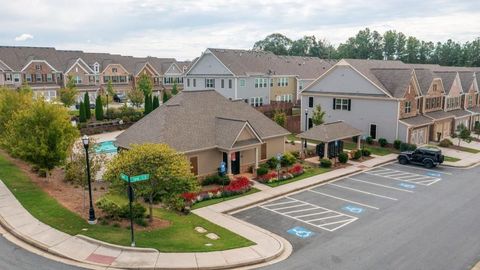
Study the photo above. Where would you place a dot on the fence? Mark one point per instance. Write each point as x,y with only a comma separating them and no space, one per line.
293,123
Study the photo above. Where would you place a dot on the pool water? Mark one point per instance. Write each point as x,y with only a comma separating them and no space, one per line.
106,147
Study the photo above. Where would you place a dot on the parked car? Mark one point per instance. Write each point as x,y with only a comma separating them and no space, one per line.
119,98
77,106
427,156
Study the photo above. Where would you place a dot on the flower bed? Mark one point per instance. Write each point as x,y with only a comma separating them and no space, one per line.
239,185
270,177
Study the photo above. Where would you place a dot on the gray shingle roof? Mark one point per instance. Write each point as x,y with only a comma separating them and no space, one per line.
448,77
394,80
439,115
417,121
330,132
425,78
460,113
189,122
249,62
227,131
466,79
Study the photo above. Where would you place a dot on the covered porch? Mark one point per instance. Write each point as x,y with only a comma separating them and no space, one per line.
328,138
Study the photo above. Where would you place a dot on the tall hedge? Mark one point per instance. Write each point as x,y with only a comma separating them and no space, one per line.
86,103
98,109
82,113
156,103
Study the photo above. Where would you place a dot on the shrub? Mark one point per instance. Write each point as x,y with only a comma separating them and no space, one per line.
366,152
296,170
325,163
357,154
42,172
216,180
138,211
396,144
407,147
296,154
343,157
272,163
369,140
383,142
267,177
141,222
110,209
445,143
288,159
262,171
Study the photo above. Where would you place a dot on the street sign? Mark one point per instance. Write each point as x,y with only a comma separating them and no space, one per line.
279,156
300,232
223,167
124,177
139,178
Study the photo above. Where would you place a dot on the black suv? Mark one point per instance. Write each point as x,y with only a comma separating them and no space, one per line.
426,156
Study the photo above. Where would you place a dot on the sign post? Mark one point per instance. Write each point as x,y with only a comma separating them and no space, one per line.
130,180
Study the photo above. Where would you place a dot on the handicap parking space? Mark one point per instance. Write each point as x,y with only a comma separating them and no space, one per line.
424,179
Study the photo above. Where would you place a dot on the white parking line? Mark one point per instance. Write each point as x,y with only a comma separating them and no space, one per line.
342,199
364,192
317,219
422,169
380,185
313,214
410,177
287,207
301,210
274,204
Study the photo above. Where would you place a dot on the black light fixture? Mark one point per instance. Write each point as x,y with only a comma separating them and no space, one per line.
306,125
91,211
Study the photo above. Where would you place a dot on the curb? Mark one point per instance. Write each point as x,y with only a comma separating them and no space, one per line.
113,246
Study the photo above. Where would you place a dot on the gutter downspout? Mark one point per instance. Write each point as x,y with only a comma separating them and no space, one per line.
398,119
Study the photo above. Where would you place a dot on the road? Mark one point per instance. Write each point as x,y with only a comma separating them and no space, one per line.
393,217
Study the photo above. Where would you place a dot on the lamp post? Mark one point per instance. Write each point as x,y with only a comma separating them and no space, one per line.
306,125
91,211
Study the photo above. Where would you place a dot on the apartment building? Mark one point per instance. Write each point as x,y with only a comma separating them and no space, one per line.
394,100
256,77
46,70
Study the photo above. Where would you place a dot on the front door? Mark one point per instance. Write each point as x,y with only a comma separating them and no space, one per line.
235,162
194,165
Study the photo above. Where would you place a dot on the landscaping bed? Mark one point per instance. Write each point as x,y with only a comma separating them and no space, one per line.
296,173
451,159
60,205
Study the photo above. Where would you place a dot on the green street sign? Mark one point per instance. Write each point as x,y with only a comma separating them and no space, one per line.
137,178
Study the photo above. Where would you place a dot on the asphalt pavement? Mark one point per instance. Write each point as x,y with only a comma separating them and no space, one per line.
391,217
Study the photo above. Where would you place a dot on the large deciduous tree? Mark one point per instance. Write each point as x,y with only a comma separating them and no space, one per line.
68,94
275,43
10,103
170,174
136,97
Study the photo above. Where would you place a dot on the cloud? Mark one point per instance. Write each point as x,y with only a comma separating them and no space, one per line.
23,37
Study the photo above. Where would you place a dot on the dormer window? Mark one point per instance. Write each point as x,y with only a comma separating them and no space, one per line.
114,70
38,67
96,68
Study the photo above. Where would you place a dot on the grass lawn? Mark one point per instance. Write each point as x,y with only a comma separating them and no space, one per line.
292,137
179,237
308,173
375,150
451,159
219,200
468,149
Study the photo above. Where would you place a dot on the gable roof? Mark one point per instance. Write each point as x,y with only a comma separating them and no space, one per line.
330,132
425,78
466,79
189,122
448,77
394,80
228,131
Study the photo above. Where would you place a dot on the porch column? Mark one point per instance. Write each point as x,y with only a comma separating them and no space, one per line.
359,142
325,150
256,157
229,163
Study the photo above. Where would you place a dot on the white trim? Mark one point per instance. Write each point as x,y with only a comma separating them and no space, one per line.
115,64
38,61
209,52
347,96
151,66
10,69
173,63
77,63
243,128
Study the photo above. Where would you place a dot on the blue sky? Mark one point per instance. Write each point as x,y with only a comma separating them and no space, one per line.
183,29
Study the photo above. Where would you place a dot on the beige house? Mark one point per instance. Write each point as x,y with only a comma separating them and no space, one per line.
210,129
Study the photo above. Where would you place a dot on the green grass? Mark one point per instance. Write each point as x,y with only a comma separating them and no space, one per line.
309,172
451,159
219,200
179,237
375,150
468,149
292,137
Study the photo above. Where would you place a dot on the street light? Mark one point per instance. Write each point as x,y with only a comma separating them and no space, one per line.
306,125
91,211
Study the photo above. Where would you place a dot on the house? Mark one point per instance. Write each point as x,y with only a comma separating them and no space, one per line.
471,102
257,77
209,128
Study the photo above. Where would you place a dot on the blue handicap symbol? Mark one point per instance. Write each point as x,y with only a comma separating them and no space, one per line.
433,174
353,209
405,185
300,232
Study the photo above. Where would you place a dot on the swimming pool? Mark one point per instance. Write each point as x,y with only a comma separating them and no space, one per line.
106,147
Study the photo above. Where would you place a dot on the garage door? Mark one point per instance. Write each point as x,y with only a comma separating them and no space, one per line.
419,136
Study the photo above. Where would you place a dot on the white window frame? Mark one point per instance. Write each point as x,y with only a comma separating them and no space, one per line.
210,83
243,83
341,104
16,77
408,106
256,101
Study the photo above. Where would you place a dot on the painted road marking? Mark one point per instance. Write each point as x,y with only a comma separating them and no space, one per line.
288,207
405,185
300,232
364,192
342,199
353,209
274,204
380,185
410,177
327,214
422,169
301,210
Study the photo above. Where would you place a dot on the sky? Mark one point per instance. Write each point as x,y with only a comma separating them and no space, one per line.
183,29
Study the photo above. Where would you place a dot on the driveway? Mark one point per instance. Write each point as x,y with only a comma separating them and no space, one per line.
391,217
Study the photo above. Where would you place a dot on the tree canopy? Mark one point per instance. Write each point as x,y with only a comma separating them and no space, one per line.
367,44
68,94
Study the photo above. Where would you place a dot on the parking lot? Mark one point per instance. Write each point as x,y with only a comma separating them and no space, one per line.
391,217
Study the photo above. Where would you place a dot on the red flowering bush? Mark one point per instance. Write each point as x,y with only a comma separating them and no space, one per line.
267,177
296,170
239,185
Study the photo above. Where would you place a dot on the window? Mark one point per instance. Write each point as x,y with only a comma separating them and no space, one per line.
470,101
114,70
188,82
373,131
282,82
16,77
230,83
222,83
96,68
418,104
300,85
194,82
242,82
271,82
49,77
28,77
38,77
434,88
256,101
78,80
210,83
310,123
106,79
408,106
123,79
284,98
261,82
341,104
38,67
8,77
310,102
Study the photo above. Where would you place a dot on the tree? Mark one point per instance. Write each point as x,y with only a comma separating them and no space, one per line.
463,134
170,174
98,109
50,136
280,118
165,97
156,103
110,90
148,104
86,104
275,43
68,94
10,103
82,115
389,44
76,163
145,84
174,89
136,97
318,116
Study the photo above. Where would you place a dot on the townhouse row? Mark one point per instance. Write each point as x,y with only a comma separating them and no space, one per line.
46,70
393,100
256,77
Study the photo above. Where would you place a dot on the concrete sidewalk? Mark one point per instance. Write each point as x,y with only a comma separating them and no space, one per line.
269,247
